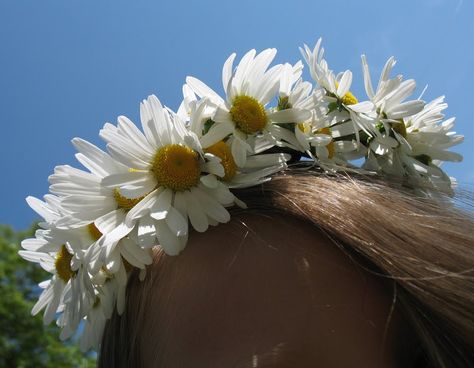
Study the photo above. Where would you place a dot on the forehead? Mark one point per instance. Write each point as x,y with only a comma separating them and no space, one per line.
264,292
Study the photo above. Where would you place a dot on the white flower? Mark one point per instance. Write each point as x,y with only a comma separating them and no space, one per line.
427,133
88,201
410,138
42,251
60,252
107,292
318,67
258,165
244,113
337,87
295,93
338,113
167,167
189,101
55,260
389,107
424,142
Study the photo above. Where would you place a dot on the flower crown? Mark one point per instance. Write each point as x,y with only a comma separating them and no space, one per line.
181,168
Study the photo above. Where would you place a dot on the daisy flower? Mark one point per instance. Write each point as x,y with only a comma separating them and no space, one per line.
294,93
190,103
53,258
109,294
427,133
94,322
258,165
389,106
337,88
424,144
244,112
167,166
60,252
88,201
312,136
337,105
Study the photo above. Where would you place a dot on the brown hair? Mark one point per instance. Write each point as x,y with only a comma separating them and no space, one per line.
424,245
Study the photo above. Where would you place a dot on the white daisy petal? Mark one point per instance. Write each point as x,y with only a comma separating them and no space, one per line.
176,222
344,83
146,119
33,244
51,308
44,299
210,180
135,134
227,71
260,161
141,255
367,80
269,85
110,221
139,189
160,209
239,152
286,79
41,209
146,234
222,194
213,167
45,260
127,152
202,90
168,241
365,107
405,109
127,178
196,215
210,206
290,116
180,204
142,207
217,132
94,159
114,261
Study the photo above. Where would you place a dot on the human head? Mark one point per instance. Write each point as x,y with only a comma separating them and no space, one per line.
322,270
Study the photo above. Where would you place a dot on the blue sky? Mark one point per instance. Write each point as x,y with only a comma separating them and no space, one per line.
67,67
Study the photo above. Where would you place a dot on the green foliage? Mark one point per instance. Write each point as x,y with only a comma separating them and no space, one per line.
24,340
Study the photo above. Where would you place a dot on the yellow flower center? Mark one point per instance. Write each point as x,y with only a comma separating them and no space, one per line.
348,98
63,264
222,150
248,114
94,232
330,145
304,127
176,167
123,202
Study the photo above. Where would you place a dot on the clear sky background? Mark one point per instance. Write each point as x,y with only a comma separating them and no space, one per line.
69,66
